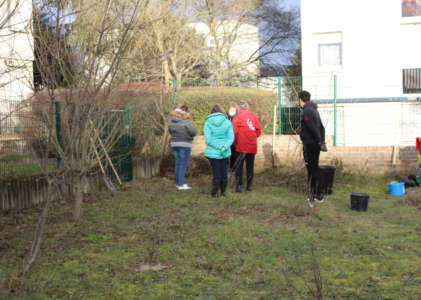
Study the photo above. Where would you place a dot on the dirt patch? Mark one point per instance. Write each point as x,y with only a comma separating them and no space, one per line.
197,166
220,212
413,198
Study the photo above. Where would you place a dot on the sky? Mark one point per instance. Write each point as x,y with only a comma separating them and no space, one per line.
287,60
294,2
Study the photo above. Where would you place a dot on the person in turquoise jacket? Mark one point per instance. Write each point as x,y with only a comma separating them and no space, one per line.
219,136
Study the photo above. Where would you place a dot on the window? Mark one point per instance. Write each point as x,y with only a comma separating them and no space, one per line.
330,55
411,81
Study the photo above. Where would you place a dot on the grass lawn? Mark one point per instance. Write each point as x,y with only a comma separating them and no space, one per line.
225,248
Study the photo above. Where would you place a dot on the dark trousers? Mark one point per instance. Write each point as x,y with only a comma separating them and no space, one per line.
232,158
311,157
219,168
239,162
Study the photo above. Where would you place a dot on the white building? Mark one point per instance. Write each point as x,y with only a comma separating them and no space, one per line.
16,54
237,42
374,49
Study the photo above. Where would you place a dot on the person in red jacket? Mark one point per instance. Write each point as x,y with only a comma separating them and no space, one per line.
246,131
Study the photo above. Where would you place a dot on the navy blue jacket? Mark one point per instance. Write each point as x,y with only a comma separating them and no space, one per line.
312,130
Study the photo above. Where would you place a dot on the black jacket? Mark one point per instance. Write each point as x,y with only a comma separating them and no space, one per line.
312,130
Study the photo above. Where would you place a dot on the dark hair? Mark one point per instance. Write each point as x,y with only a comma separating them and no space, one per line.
304,96
184,108
216,108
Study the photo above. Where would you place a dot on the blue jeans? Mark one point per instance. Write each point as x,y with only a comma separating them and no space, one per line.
182,155
220,168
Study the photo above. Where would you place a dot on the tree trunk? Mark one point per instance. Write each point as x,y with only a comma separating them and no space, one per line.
168,77
79,182
218,66
36,244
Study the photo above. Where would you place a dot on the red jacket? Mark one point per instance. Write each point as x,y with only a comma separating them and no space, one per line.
246,131
418,144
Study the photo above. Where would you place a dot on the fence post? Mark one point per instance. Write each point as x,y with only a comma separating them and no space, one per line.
174,86
58,131
279,106
334,112
129,158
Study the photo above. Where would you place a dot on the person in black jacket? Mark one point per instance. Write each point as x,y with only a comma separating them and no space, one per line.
312,135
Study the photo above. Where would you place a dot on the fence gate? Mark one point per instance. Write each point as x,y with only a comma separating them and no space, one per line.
121,151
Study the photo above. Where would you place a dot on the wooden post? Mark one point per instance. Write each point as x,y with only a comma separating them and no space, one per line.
273,139
3,199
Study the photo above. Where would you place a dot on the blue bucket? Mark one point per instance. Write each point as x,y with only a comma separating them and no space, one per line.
397,189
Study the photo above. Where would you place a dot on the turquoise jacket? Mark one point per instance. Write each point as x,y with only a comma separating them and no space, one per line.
218,134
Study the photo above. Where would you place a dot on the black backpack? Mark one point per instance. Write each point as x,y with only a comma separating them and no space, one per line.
413,178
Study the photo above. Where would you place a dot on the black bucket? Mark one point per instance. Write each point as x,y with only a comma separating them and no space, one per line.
327,174
359,201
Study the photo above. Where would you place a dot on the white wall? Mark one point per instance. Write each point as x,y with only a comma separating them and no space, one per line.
16,56
373,124
377,43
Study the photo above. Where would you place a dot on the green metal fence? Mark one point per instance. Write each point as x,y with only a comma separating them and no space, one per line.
360,115
289,111
23,143
121,151
363,115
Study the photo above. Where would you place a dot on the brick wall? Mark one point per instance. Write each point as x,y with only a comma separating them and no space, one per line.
371,160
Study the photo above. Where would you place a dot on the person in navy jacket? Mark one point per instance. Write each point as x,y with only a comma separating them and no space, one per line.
312,135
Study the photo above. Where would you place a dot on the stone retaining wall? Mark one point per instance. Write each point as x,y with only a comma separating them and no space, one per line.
370,160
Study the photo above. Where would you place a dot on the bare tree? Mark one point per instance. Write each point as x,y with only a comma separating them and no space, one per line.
179,41
173,44
89,99
241,34
215,38
280,31
316,290
232,35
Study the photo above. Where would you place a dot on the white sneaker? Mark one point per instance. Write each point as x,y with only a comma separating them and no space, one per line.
317,199
184,187
309,202
176,186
